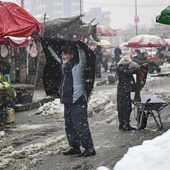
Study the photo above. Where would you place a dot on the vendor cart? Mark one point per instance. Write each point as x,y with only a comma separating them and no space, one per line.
150,105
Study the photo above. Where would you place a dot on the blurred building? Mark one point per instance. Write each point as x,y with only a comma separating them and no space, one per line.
123,35
161,30
66,8
54,8
101,17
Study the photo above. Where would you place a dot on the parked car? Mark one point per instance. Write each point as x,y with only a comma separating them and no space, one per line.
167,55
126,51
151,51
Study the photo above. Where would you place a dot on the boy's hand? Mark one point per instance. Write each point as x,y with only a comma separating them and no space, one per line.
35,36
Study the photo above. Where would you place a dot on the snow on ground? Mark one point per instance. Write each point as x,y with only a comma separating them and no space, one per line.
23,127
56,108
98,97
33,152
152,154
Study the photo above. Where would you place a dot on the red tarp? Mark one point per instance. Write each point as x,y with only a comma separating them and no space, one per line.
105,31
146,41
72,28
16,22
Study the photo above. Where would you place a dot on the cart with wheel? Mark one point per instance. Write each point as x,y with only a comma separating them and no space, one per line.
150,105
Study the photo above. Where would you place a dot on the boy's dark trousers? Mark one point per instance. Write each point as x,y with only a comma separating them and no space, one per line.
76,124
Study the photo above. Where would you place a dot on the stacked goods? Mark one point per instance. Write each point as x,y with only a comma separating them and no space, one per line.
6,108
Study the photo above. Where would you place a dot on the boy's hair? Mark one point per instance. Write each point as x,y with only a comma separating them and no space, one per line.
68,49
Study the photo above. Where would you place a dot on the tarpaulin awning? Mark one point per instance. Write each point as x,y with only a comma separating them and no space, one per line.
70,28
16,22
146,41
105,31
17,41
164,17
105,43
123,45
168,41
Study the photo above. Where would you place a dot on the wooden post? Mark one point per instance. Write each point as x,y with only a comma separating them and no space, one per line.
22,3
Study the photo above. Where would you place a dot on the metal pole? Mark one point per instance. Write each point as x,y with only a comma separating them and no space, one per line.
80,10
42,12
22,3
136,17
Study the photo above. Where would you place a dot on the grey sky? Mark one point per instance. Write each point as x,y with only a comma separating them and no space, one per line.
123,11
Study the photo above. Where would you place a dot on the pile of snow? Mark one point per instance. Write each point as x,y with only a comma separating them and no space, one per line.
152,154
55,108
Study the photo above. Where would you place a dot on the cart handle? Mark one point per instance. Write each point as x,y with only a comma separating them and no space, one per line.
148,101
163,106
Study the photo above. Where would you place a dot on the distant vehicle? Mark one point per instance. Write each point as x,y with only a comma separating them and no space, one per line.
126,51
151,51
167,55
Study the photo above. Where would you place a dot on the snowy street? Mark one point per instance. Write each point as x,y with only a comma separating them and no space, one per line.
84,85
37,138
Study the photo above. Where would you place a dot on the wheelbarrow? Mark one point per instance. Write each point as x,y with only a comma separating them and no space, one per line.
150,105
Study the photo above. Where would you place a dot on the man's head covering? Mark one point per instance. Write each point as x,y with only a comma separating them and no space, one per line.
125,60
68,48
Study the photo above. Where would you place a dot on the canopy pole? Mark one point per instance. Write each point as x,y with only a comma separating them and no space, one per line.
100,39
37,66
38,57
136,24
27,60
81,10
